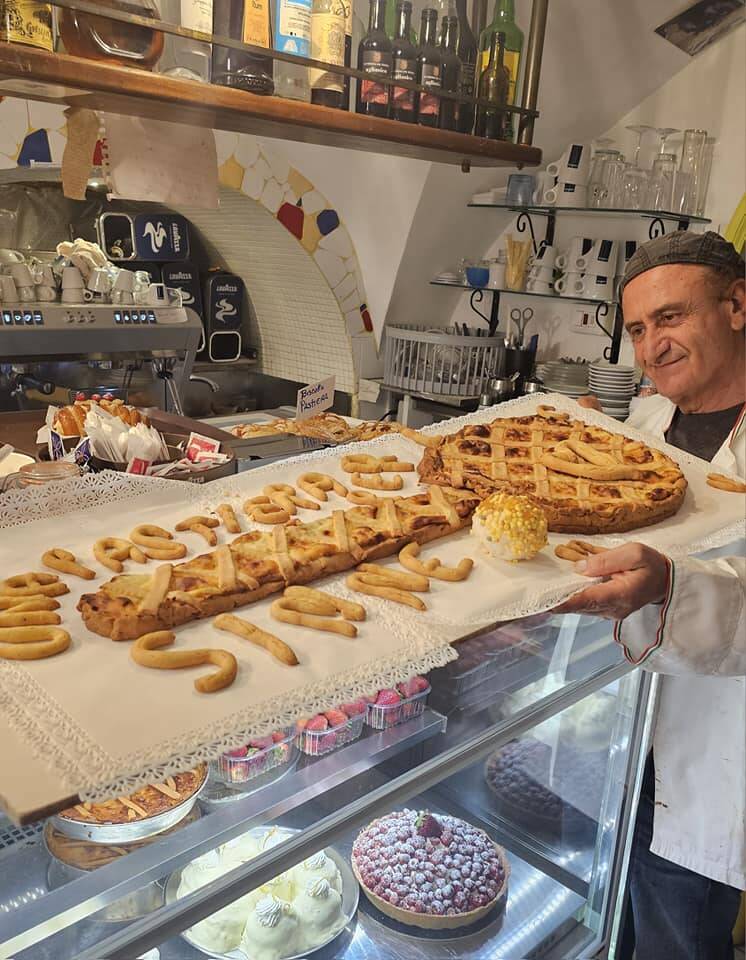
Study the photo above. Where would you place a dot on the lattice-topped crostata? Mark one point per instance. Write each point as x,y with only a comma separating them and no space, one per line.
148,801
585,479
260,563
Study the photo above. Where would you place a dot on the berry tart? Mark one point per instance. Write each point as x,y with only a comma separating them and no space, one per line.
433,872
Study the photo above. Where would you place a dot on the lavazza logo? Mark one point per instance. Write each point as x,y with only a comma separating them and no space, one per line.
156,235
225,309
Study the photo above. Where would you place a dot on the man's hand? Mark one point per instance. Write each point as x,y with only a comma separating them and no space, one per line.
635,575
589,401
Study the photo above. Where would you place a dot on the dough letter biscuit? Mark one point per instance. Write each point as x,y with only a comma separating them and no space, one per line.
65,562
242,628
148,653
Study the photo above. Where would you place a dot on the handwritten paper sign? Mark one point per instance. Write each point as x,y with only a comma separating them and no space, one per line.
314,398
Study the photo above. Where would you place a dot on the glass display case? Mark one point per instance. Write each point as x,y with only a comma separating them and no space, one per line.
518,764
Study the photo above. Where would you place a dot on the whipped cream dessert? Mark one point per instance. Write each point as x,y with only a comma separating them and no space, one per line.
291,914
272,931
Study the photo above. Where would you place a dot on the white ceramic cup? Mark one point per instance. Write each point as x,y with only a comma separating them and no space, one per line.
627,249
569,285
8,289
46,276
597,286
46,294
21,273
539,286
602,258
537,272
574,165
545,256
72,295
544,181
26,294
577,254
570,195
72,279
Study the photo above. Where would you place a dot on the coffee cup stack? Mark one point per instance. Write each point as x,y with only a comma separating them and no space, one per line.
571,172
590,269
541,271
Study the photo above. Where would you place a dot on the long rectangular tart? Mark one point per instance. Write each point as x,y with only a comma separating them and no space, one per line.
260,563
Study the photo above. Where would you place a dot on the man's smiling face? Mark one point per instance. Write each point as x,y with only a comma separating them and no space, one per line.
683,327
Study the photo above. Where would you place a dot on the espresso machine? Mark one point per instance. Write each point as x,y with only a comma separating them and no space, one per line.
50,351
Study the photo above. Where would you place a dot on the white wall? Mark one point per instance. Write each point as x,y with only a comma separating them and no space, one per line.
377,197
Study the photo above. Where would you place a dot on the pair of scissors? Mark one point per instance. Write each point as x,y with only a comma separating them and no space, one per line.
521,318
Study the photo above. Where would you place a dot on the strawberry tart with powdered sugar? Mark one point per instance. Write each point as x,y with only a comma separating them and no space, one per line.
434,872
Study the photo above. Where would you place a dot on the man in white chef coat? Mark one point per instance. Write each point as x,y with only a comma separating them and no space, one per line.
684,305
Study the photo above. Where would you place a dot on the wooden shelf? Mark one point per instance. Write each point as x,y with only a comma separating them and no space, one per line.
58,78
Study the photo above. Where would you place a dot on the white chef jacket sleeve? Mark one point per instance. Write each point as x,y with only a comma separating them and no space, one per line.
700,628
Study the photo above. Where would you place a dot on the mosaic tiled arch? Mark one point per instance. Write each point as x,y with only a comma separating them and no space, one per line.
266,176
37,131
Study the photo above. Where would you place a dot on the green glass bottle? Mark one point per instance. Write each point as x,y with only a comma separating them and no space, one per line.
503,21
392,20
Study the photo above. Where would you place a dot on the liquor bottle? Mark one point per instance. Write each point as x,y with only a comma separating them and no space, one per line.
405,65
349,10
328,28
26,22
247,21
184,58
450,72
292,34
392,22
428,70
503,21
494,84
375,60
467,53
95,37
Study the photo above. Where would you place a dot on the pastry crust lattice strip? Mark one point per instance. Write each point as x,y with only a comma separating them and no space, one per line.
261,563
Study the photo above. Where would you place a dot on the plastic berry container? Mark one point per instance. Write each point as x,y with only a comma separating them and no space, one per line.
316,743
235,767
380,716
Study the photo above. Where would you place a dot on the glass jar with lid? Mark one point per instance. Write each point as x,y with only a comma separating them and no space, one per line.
40,472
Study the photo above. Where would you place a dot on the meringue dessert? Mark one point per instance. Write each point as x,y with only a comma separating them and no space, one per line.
272,931
293,913
510,527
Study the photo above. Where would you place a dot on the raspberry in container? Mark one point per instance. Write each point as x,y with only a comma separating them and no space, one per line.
328,731
397,704
259,756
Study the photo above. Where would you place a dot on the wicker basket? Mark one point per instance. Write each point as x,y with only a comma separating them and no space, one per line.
439,362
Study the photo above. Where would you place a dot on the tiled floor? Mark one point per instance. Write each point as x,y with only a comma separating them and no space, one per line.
739,952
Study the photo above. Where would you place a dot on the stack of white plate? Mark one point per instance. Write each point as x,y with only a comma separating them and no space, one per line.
562,376
614,386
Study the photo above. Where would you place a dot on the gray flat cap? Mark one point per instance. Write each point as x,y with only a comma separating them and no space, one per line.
703,249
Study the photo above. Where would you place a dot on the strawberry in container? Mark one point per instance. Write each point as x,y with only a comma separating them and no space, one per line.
397,704
260,755
334,728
